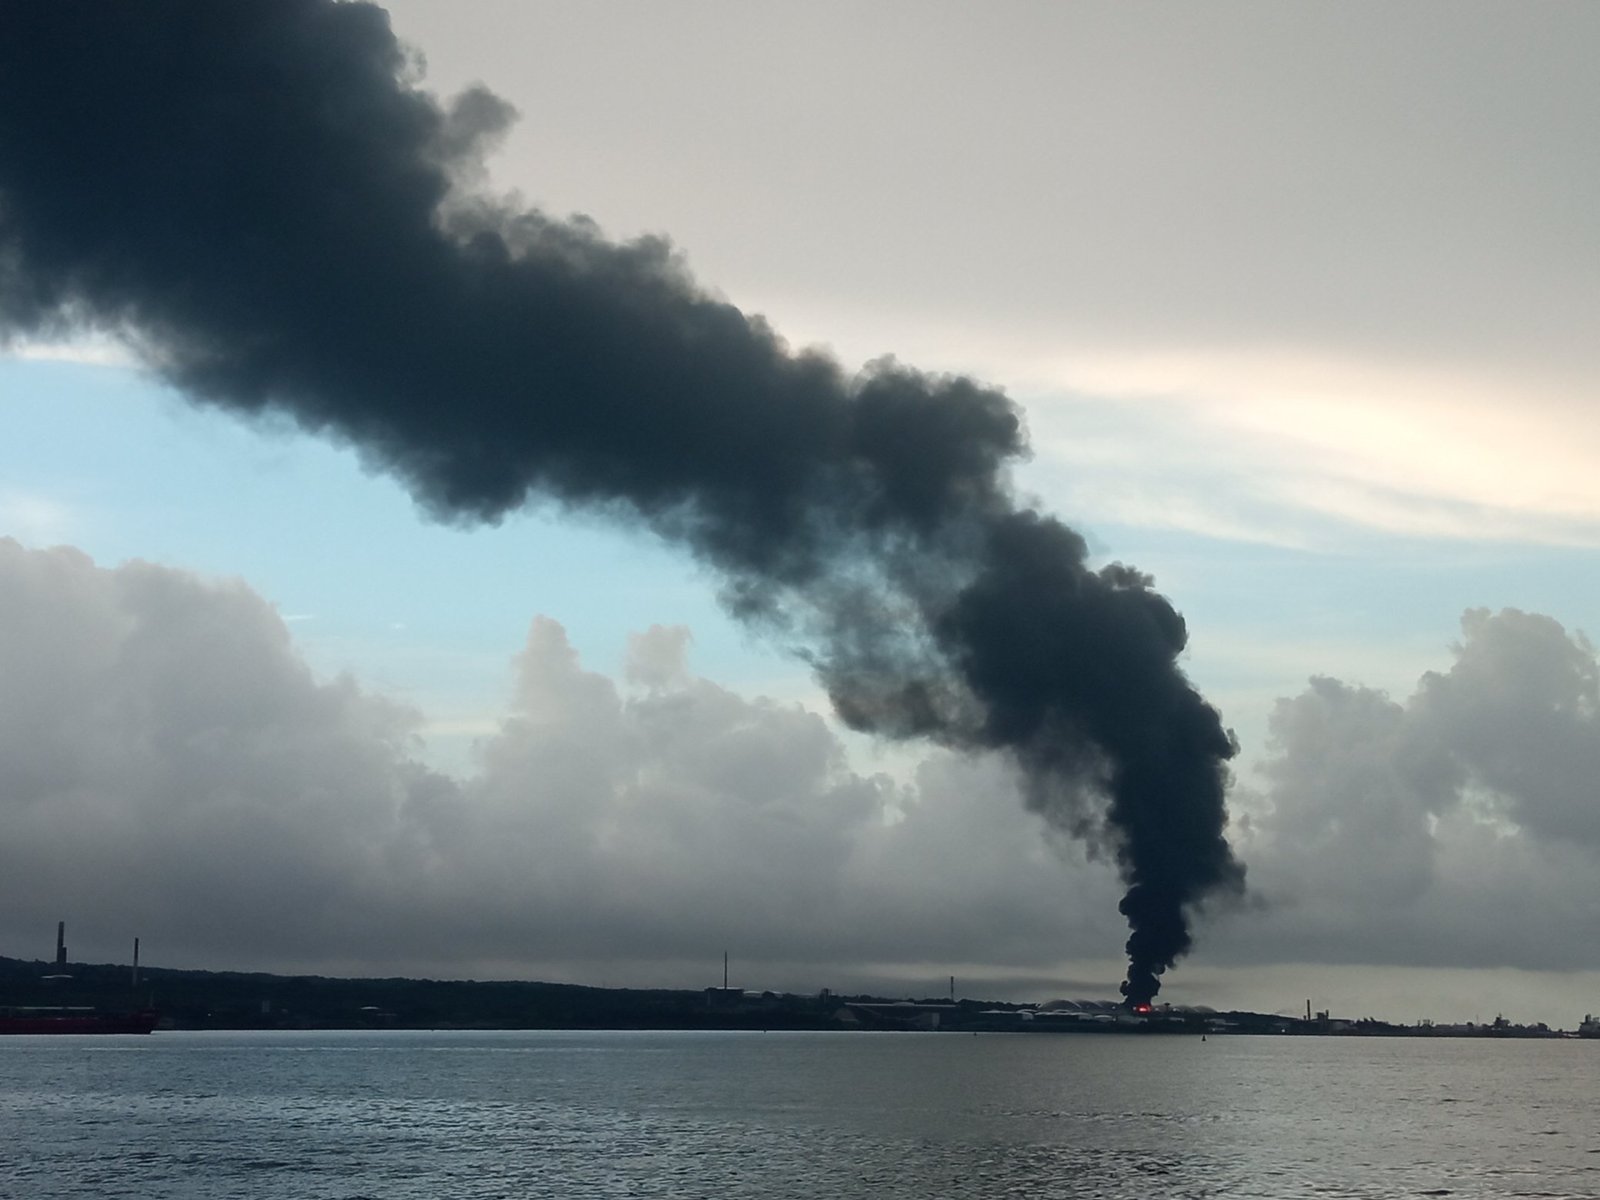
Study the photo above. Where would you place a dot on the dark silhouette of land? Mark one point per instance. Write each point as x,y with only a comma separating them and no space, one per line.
251,1000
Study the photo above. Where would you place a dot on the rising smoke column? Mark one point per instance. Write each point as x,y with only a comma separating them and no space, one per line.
259,199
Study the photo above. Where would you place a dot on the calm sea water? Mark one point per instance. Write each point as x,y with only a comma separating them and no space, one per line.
406,1116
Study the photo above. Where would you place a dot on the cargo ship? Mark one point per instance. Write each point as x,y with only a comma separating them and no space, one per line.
1590,1027
74,1020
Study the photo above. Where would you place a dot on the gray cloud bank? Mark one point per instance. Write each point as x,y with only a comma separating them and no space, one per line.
170,767
1460,826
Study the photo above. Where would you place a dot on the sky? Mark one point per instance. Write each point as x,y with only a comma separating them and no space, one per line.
1298,307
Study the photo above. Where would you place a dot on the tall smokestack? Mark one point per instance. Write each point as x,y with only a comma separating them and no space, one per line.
61,943
261,202
136,962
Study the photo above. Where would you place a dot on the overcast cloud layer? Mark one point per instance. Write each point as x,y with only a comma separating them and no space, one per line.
172,769
1350,246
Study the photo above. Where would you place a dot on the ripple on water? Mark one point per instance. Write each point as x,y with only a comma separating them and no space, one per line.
852,1117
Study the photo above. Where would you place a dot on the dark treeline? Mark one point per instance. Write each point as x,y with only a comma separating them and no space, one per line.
251,1000
255,1000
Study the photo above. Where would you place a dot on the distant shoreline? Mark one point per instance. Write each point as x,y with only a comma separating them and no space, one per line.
224,1000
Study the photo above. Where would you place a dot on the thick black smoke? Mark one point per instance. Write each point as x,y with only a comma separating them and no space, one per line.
260,200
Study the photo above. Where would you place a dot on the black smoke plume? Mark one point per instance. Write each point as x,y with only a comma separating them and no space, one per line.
257,197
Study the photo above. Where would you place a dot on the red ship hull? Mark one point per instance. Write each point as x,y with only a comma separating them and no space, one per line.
71,1022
